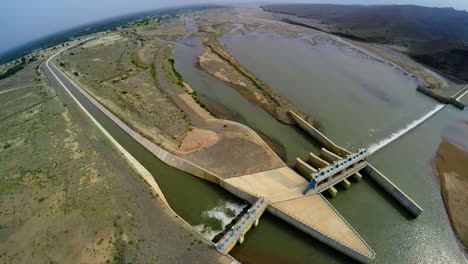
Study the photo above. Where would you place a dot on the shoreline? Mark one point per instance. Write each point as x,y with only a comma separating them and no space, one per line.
276,104
450,165
390,55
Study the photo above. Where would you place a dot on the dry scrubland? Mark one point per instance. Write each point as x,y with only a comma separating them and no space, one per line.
67,196
133,75
113,71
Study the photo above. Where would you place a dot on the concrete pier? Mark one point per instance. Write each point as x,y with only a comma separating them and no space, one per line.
441,98
316,161
393,190
345,184
328,155
357,176
305,169
317,135
332,191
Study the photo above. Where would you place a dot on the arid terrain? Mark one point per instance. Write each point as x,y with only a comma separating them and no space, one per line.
67,196
133,75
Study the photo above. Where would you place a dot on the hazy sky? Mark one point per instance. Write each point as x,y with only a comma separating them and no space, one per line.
24,20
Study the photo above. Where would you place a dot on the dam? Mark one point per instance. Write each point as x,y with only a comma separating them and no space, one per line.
297,198
281,190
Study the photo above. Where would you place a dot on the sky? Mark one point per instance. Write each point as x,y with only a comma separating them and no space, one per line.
25,20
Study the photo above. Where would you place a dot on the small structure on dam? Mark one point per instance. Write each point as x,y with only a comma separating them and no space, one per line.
337,172
238,230
298,200
453,100
343,165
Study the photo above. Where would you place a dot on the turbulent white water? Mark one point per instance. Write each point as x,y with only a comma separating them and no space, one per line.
222,213
394,136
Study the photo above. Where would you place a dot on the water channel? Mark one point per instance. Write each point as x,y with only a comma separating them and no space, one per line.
358,101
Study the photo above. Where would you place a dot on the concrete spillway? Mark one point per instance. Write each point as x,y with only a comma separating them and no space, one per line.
383,181
310,213
394,136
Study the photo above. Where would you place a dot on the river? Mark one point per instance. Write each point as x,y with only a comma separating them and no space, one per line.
359,102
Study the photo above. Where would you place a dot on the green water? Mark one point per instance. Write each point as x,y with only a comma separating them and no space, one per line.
358,102
189,196
297,142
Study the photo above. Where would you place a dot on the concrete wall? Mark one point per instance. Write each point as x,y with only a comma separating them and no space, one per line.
441,98
322,139
329,156
316,161
239,192
353,253
305,169
394,191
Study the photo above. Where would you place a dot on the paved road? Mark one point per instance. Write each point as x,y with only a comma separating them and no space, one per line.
461,93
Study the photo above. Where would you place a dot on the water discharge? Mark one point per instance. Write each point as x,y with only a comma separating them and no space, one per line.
394,136
223,214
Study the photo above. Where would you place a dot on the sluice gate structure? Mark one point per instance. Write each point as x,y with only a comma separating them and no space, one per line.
237,232
334,168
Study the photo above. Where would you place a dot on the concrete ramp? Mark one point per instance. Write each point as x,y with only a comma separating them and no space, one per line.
310,213
316,217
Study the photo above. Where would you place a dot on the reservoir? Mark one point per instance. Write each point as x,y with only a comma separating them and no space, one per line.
358,101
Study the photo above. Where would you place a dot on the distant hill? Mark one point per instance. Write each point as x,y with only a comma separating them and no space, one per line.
428,32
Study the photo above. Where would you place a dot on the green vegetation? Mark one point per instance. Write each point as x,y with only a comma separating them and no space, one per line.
19,65
136,60
177,74
202,105
143,22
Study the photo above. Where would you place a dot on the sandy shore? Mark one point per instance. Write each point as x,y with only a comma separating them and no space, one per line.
451,163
